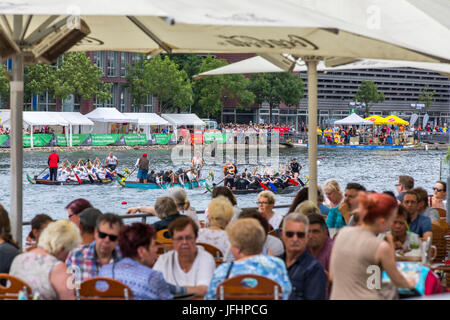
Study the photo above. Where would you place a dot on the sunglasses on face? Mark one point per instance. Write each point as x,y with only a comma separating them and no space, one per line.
262,202
437,189
103,235
290,234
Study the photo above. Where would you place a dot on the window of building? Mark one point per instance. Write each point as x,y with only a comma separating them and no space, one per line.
112,64
98,59
123,63
46,102
124,99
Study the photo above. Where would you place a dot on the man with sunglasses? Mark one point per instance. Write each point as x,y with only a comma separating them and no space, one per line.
306,274
87,260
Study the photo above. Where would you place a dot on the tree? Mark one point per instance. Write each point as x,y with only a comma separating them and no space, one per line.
169,85
77,75
39,79
426,97
277,88
136,84
4,85
367,93
209,91
190,63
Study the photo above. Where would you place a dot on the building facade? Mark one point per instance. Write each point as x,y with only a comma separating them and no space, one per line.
113,65
337,89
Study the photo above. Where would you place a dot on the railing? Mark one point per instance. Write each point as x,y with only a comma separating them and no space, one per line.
144,216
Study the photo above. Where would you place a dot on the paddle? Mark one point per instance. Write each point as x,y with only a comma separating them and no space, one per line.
272,186
130,173
263,186
207,186
35,177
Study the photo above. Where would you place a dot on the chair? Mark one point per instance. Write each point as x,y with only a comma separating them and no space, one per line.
116,290
11,291
214,251
442,212
439,241
163,237
235,289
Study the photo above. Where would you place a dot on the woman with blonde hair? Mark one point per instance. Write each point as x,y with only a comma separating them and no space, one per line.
220,214
307,208
43,268
333,192
266,202
247,238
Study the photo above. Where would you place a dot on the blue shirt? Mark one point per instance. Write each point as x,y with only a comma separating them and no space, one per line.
144,282
324,209
267,266
335,218
308,278
421,225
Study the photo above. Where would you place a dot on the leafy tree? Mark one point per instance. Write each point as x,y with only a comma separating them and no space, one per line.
367,93
39,79
209,91
277,88
169,85
426,97
190,63
4,85
136,83
77,75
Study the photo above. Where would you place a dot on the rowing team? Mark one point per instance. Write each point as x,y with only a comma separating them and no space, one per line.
265,179
84,171
170,177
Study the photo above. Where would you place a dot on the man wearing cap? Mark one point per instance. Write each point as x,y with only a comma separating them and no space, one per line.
88,221
142,164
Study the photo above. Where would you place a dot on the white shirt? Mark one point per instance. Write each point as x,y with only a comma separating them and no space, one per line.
275,221
200,274
274,244
112,160
216,238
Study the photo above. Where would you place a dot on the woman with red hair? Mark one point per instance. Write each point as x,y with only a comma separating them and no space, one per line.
358,253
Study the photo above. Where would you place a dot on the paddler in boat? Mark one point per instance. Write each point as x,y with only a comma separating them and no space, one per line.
197,163
229,171
142,164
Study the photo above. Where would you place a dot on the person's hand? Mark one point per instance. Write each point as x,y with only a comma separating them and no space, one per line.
398,245
411,282
132,210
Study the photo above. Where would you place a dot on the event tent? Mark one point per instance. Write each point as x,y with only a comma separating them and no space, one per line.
352,119
146,120
103,118
183,119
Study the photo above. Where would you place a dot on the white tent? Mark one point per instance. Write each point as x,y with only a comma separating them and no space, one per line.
4,115
104,117
353,119
81,122
146,120
183,119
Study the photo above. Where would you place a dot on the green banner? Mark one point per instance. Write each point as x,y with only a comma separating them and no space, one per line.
3,138
39,140
162,138
104,139
77,139
135,139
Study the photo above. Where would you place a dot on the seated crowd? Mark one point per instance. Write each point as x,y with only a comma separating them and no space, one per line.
315,251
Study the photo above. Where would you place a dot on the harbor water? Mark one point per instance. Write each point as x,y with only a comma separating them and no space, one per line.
376,170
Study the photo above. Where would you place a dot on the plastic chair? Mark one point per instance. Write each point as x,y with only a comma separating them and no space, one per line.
12,290
235,288
214,251
116,290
